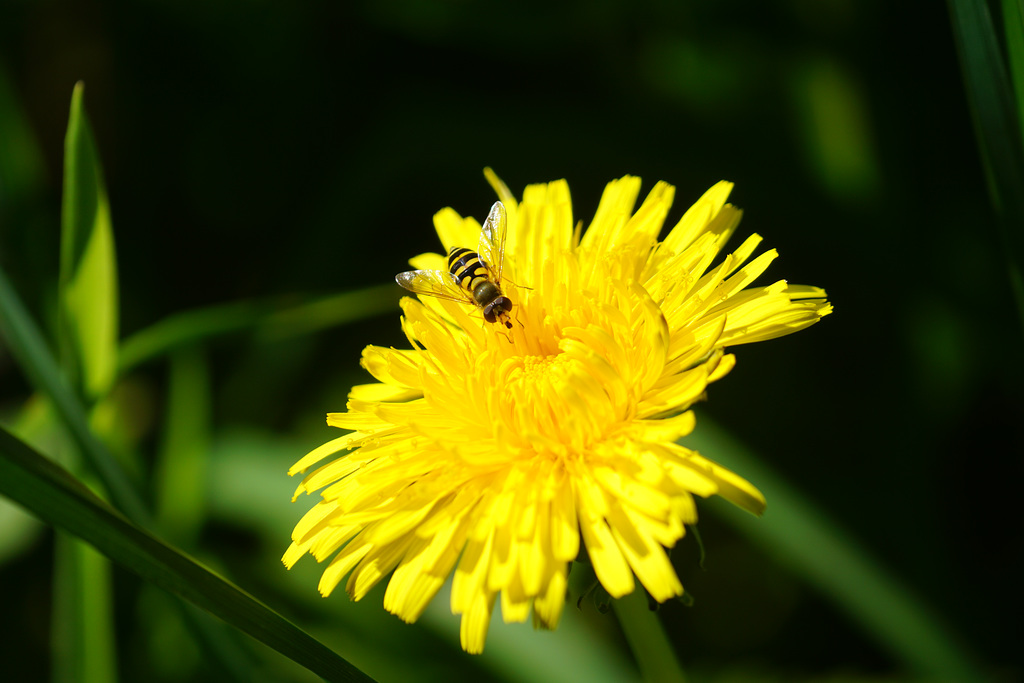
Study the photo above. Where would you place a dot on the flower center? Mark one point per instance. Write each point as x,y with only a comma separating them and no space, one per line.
528,373
535,367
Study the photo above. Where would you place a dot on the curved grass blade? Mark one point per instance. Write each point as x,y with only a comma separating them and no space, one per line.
802,537
213,637
996,126
269,319
32,352
57,498
88,267
33,356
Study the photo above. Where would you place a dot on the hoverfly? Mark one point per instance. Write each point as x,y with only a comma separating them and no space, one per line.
473,277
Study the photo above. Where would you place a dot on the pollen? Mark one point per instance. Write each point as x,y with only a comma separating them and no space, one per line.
537,365
534,368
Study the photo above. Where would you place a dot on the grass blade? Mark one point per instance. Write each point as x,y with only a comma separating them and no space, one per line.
88,267
32,352
83,634
59,499
183,329
30,349
802,537
270,319
1013,27
997,128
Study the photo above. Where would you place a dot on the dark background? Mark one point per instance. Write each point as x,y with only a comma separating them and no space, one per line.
257,149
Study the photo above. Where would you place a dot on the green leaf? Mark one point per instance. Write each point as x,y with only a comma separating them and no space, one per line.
271,320
30,349
1013,27
997,128
57,498
186,328
801,536
88,267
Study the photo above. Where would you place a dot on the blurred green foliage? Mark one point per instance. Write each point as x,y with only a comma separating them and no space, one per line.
262,160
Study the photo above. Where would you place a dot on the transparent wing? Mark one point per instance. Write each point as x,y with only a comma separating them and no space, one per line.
492,241
433,283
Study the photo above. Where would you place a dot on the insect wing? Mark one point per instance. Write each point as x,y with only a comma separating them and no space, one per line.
433,283
492,241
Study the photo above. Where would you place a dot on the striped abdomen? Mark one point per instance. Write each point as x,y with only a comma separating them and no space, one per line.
468,270
472,275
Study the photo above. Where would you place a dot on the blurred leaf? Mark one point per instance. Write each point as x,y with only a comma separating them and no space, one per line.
36,424
83,636
270,319
30,349
181,468
835,129
189,327
802,537
705,76
248,479
61,500
1013,26
330,311
517,652
17,531
88,268
997,127
21,163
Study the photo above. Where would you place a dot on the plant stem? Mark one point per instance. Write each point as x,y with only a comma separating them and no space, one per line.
647,639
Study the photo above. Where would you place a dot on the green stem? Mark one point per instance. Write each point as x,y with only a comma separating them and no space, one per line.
84,646
647,639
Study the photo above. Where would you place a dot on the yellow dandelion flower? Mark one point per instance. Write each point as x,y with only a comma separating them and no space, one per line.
502,453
